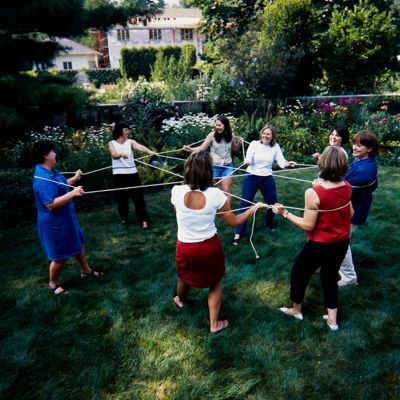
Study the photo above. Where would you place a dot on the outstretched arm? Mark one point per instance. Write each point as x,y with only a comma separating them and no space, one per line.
307,222
234,220
204,146
143,149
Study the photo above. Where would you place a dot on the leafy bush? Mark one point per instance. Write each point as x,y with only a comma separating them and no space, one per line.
103,76
227,94
145,108
137,61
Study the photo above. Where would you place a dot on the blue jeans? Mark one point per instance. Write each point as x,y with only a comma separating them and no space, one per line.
251,183
221,171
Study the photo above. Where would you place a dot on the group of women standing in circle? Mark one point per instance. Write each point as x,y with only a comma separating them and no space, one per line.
199,253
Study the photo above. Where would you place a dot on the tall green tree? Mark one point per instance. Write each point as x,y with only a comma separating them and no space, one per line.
275,56
358,45
28,29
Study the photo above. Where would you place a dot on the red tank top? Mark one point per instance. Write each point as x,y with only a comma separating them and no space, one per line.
332,226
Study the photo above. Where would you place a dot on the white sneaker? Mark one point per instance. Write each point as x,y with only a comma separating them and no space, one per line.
286,311
352,282
330,326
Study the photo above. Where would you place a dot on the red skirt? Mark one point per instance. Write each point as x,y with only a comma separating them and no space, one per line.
200,264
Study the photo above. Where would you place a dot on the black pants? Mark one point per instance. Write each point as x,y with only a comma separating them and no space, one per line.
329,257
123,196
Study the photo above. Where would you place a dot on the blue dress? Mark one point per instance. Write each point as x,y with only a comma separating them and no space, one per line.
59,231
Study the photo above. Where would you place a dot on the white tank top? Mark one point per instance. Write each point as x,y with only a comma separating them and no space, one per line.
123,165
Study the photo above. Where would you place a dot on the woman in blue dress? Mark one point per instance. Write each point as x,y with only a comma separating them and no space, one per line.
59,231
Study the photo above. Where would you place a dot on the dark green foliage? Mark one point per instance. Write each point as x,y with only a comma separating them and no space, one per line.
104,76
145,108
357,46
28,29
138,61
43,96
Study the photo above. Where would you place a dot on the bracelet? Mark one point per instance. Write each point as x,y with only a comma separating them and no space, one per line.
285,214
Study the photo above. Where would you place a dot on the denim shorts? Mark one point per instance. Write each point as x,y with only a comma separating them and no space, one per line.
221,171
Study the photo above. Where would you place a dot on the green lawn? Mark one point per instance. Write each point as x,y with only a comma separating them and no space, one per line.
120,337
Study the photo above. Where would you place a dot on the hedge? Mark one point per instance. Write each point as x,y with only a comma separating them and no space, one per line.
136,61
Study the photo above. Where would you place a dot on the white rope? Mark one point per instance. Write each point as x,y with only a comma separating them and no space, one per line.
49,180
228,176
291,177
369,184
133,187
164,170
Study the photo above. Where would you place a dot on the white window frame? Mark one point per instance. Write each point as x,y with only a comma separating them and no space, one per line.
122,35
67,65
155,35
187,34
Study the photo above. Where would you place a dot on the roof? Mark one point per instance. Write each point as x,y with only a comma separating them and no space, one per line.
75,48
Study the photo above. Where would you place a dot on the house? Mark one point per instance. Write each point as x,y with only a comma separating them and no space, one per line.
174,27
76,56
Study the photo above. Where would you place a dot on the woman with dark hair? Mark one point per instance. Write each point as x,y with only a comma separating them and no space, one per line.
221,143
362,175
125,174
260,157
338,137
326,221
200,259
59,231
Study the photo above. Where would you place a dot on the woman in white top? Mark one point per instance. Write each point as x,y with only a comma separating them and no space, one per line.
200,259
125,174
260,156
221,143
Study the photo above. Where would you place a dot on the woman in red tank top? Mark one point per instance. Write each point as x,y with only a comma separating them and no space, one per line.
326,221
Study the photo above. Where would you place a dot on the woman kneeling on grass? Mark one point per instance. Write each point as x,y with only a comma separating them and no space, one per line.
327,233
200,261
59,231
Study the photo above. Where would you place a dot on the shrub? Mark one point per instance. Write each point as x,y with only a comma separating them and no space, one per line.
137,61
104,76
145,108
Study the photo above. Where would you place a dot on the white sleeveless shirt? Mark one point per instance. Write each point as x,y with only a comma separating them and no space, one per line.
221,152
123,165
196,225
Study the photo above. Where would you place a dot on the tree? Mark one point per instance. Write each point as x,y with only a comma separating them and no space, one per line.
275,57
228,18
358,45
28,29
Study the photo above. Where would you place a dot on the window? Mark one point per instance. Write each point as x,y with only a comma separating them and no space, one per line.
187,34
92,64
67,65
155,34
122,34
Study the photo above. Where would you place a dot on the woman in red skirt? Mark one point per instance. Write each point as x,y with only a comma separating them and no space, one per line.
200,261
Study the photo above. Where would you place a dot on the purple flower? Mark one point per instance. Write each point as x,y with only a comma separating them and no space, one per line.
241,83
216,98
142,100
232,83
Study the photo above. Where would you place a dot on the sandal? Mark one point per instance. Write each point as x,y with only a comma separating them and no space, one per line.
236,242
177,301
92,273
224,325
56,290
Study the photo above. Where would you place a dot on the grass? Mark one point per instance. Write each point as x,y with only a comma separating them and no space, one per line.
120,337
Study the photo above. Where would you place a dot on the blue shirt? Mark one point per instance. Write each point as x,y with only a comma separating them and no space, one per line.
59,231
362,173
